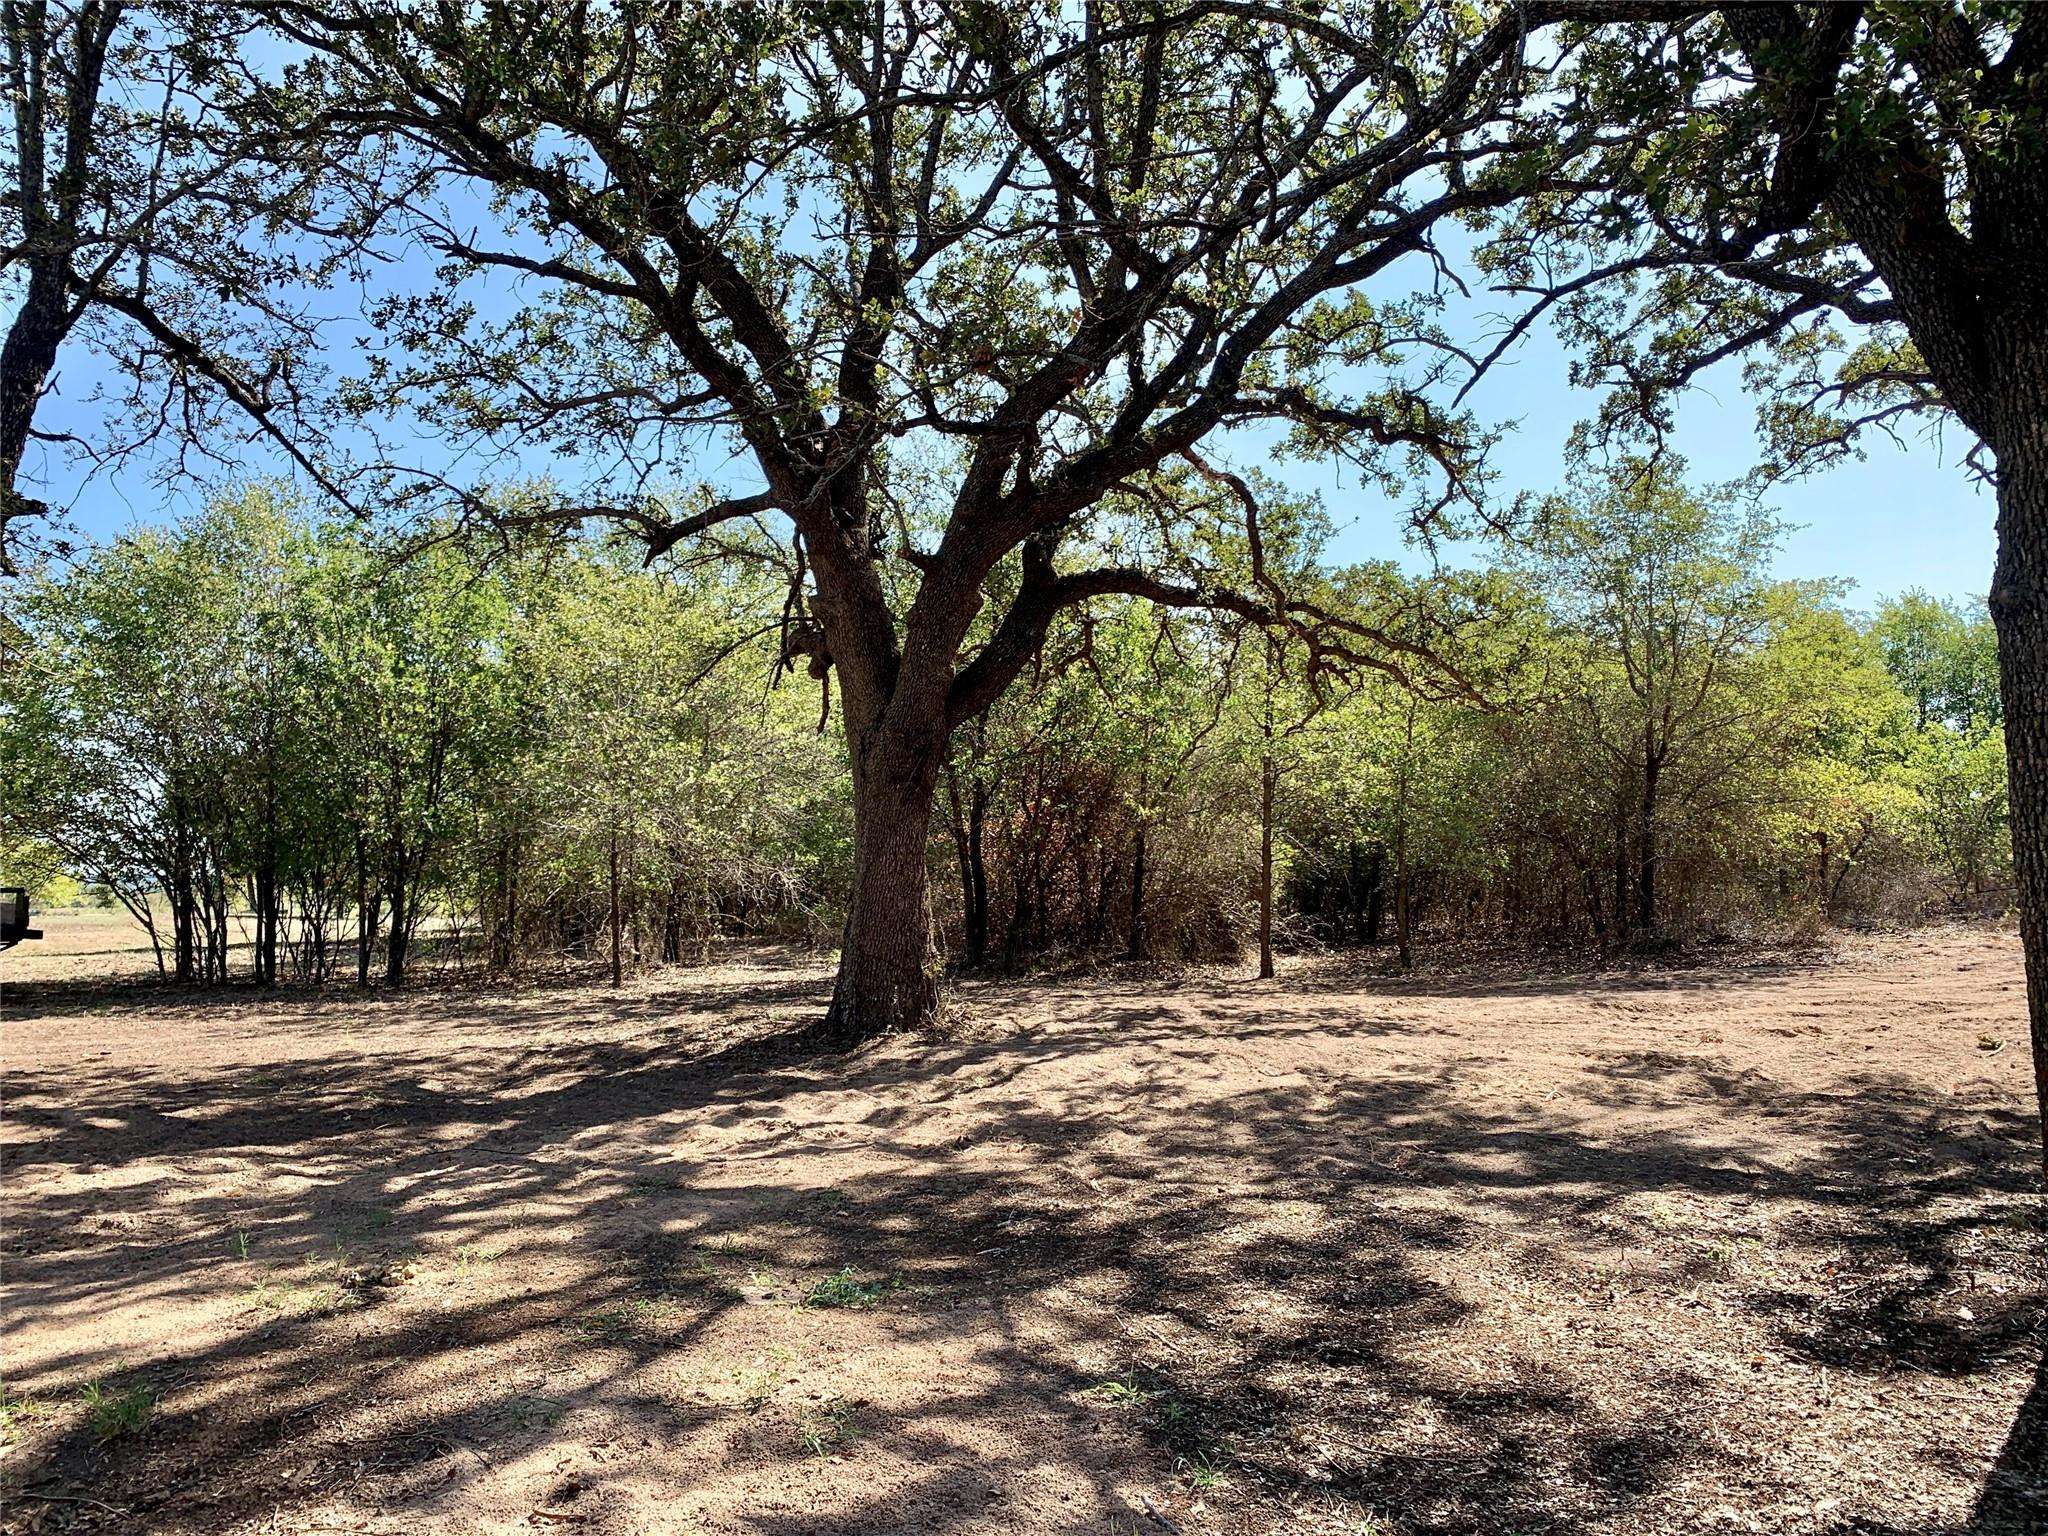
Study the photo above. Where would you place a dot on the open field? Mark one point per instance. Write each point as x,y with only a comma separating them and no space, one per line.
1752,1246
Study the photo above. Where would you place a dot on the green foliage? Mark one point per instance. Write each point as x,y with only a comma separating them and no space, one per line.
827,1427
111,1414
1628,731
277,726
38,867
1944,657
847,1289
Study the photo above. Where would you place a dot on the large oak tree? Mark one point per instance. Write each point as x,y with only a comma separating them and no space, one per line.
946,295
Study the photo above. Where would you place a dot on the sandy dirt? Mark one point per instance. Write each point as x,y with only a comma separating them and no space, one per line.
1754,1245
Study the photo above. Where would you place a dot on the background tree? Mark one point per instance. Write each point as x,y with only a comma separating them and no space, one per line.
142,225
1666,598
1854,199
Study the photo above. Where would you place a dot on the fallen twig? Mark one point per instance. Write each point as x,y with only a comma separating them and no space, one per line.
1157,1514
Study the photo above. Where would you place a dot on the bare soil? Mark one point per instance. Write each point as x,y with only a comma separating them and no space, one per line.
1754,1245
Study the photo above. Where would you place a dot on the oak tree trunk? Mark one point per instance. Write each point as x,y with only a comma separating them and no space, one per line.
888,961
2019,609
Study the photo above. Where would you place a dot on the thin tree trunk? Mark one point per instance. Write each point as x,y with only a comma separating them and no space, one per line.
508,909
1646,848
1266,772
1622,909
1135,946
1404,953
1375,894
396,940
977,887
968,818
618,951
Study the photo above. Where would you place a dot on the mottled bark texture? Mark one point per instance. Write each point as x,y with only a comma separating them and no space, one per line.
889,961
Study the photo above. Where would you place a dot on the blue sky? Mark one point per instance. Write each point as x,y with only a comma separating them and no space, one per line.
1905,516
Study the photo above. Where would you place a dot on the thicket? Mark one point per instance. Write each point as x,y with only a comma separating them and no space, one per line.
292,748
264,712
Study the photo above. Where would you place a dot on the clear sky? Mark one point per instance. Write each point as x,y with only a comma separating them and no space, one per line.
1903,517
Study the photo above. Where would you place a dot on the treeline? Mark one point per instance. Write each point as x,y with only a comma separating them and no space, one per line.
266,726
265,712
1669,745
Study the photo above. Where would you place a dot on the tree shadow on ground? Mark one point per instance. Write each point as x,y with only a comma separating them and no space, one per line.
1136,1257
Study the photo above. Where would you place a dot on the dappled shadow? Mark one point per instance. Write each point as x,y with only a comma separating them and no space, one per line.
2015,1499
1291,1255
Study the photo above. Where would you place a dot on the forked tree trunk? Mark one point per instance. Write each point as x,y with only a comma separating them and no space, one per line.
2019,609
888,961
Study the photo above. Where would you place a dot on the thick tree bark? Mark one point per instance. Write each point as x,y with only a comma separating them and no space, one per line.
888,961
2019,609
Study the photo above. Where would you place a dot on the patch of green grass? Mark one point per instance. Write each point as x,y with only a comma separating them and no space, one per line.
1664,1217
471,1257
110,1414
1202,1471
531,1410
628,1318
827,1427
313,1295
705,1275
15,1410
755,1387
847,1289
1121,1391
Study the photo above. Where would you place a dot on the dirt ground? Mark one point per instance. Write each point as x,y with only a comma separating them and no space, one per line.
1754,1245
